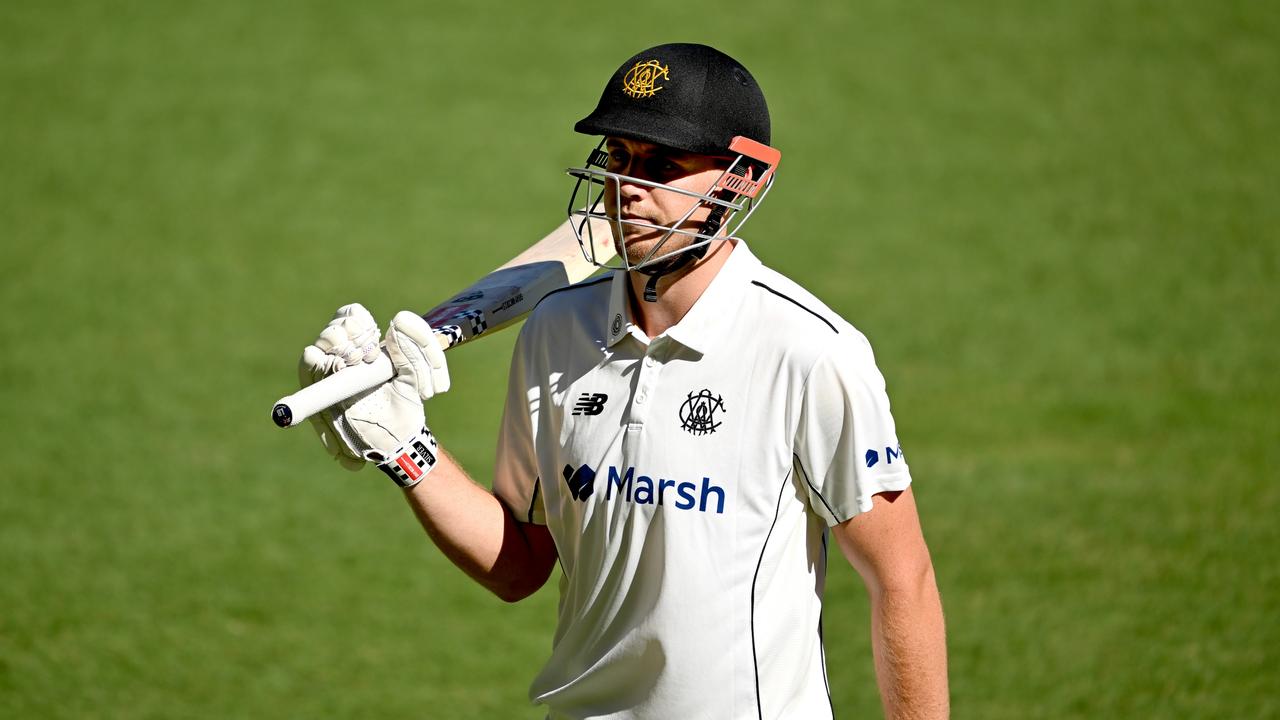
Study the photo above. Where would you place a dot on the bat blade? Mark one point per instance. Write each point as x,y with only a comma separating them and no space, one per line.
488,305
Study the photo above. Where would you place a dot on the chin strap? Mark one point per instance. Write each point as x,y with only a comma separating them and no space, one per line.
668,267
651,289
710,227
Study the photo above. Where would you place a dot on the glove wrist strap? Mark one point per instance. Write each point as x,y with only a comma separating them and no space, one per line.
411,462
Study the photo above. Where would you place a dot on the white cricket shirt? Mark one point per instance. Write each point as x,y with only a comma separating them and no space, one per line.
689,481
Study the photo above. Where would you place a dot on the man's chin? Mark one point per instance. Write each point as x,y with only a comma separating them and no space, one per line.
639,244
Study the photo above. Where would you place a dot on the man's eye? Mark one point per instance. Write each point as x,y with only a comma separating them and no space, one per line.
663,167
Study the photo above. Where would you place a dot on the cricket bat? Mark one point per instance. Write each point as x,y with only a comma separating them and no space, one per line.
488,305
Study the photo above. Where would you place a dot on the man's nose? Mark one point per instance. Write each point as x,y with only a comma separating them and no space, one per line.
631,190
627,187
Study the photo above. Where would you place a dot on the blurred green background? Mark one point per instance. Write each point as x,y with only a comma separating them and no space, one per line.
1056,221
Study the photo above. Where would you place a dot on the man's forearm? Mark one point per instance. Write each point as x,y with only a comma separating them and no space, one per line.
910,648
477,532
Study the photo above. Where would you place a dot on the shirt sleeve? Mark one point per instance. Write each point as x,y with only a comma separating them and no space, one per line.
846,443
515,480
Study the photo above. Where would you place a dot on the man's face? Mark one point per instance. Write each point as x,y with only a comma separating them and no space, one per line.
656,206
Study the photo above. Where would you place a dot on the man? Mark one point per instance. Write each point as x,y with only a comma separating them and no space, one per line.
682,435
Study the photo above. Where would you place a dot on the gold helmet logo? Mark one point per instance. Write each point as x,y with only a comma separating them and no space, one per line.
641,80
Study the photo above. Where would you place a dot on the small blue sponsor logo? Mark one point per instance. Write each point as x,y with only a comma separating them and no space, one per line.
890,454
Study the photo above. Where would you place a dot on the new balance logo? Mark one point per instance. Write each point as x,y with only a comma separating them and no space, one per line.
590,404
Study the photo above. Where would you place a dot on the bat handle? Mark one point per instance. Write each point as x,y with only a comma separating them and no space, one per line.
293,409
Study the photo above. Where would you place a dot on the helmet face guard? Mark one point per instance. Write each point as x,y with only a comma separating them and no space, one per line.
732,199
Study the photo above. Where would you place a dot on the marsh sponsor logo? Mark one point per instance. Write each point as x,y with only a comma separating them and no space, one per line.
631,487
644,490
581,482
890,454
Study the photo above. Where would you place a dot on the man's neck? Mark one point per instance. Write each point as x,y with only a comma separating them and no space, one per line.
677,292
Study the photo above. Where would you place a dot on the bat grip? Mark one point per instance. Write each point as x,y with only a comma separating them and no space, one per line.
293,409
349,382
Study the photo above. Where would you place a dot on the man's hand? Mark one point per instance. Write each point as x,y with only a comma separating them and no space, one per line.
373,425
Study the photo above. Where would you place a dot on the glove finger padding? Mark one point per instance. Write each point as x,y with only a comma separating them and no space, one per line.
316,364
421,370
352,335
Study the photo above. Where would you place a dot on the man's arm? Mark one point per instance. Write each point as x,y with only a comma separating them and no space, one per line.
886,546
480,535
470,525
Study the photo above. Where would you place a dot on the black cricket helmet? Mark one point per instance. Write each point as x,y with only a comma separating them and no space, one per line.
692,98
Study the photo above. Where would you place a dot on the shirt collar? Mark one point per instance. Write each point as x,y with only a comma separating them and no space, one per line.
702,326
618,323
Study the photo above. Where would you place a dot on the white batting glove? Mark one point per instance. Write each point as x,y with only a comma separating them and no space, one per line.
387,424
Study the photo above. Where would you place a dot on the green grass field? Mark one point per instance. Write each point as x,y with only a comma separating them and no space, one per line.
1057,222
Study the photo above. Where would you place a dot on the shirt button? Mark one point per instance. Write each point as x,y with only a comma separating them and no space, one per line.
648,362
641,397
